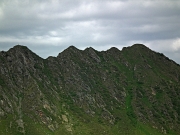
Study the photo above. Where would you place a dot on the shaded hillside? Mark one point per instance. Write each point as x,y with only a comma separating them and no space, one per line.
135,91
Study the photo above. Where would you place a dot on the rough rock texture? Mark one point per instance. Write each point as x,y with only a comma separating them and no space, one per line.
133,91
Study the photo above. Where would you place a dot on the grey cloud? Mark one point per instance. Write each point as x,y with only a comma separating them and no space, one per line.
98,23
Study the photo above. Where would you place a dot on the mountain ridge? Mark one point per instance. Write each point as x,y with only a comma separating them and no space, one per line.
72,47
130,91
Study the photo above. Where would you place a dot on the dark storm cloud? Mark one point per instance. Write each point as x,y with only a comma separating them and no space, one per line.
49,26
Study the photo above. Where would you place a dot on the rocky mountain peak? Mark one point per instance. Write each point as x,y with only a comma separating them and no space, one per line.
20,49
139,47
89,49
72,48
113,50
69,51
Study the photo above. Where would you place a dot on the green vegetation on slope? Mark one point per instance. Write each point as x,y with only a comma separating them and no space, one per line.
130,92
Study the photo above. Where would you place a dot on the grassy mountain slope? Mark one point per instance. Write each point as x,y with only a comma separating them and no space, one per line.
134,91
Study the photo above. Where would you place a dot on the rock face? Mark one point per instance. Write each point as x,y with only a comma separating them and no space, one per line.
133,91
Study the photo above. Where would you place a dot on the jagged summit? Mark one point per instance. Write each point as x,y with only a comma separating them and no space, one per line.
113,49
72,48
20,47
89,48
136,46
139,46
68,51
17,48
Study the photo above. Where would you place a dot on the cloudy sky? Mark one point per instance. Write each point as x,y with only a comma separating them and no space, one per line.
47,27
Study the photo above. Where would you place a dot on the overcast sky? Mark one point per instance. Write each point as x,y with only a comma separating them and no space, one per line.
47,27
